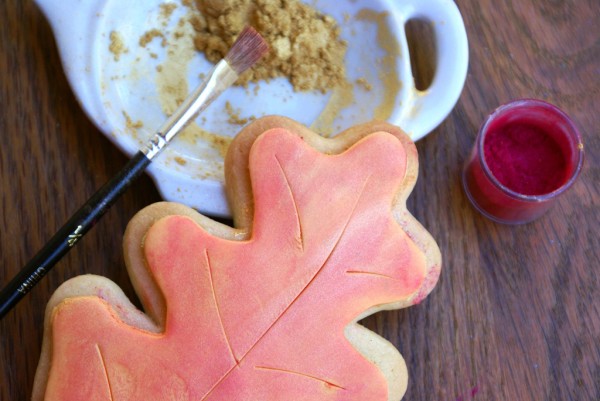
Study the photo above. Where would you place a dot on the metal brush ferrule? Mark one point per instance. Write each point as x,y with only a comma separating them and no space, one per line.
220,78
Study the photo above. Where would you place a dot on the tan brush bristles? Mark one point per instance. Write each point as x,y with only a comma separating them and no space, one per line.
248,48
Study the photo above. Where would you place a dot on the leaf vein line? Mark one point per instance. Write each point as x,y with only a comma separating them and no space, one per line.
291,372
367,273
296,210
105,370
218,382
217,306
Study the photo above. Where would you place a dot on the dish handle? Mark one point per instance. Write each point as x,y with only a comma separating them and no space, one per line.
428,108
75,27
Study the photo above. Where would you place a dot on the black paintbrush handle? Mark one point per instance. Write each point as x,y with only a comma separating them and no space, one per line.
79,224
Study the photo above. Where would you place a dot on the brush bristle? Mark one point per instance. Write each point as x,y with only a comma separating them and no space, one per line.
248,48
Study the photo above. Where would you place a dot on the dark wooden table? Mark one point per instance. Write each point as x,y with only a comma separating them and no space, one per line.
516,314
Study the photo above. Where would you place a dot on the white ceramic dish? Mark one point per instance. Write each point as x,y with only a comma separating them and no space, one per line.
127,82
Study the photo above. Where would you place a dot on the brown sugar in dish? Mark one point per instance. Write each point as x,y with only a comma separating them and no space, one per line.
305,44
166,10
364,84
148,36
117,45
234,115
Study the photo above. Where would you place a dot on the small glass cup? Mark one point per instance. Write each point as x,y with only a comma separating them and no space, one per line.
526,154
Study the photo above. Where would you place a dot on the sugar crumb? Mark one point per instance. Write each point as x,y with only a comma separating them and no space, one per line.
234,115
149,36
364,84
117,45
130,124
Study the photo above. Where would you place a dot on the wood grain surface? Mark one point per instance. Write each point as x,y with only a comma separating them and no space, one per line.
516,313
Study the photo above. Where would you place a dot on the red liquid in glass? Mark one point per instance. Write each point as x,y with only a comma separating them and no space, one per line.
526,158
526,153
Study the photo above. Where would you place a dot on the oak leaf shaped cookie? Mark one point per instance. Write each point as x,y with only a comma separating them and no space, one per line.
267,310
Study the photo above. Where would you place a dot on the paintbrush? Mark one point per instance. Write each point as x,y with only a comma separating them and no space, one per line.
248,48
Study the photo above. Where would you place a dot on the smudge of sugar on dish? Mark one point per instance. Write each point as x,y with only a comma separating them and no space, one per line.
173,88
132,126
389,82
341,97
171,75
388,65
